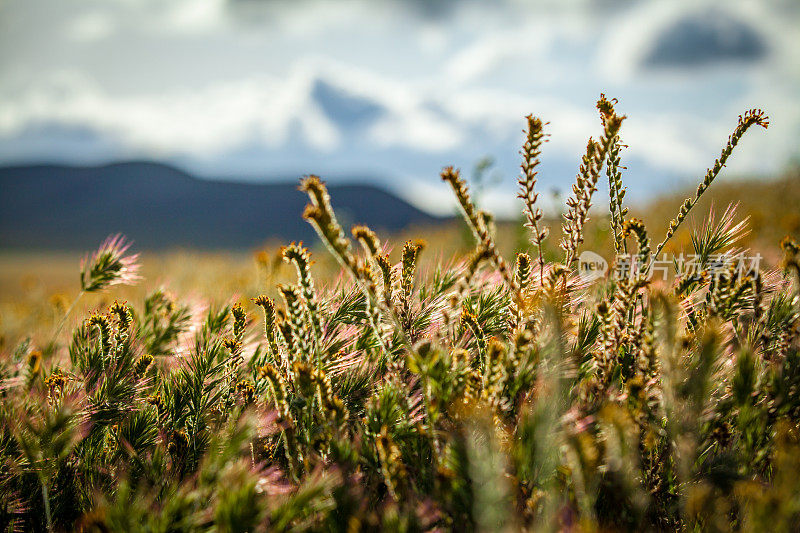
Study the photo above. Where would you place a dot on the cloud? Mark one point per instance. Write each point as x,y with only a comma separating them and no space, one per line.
193,16
376,89
477,61
213,119
91,27
706,38
433,196
418,130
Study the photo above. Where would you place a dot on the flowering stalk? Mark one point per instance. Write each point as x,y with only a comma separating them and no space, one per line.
636,227
372,245
392,467
531,151
469,320
298,255
368,239
278,384
322,218
386,271
103,326
586,184
110,266
408,266
477,224
297,333
106,267
750,118
239,322
522,270
616,193
268,305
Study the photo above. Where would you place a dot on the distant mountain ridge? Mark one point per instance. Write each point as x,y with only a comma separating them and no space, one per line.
159,206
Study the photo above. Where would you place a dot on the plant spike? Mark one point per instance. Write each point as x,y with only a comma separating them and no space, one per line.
477,224
616,191
586,184
298,255
270,323
531,152
750,118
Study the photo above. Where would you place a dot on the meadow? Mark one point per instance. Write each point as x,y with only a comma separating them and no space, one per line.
476,380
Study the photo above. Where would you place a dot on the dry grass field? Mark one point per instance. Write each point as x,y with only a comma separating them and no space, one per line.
36,287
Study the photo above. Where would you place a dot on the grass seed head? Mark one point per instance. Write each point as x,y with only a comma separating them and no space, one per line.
110,265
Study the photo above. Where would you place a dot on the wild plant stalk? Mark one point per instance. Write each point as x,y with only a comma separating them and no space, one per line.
749,118
372,245
616,191
523,270
477,222
408,262
791,250
108,266
615,202
586,184
322,218
616,195
298,255
270,324
531,152
636,227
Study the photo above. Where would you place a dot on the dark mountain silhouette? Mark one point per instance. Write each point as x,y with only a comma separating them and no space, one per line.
158,206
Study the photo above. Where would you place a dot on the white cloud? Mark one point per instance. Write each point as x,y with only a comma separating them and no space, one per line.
417,129
476,61
216,118
193,16
433,196
92,26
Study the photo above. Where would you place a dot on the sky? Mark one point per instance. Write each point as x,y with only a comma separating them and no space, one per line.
390,91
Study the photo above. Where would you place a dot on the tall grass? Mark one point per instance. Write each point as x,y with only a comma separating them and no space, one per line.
492,396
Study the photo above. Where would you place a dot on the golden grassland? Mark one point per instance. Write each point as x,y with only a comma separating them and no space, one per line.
37,287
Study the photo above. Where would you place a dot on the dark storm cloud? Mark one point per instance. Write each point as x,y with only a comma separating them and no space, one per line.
705,39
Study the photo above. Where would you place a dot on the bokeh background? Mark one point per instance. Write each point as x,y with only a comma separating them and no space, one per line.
389,91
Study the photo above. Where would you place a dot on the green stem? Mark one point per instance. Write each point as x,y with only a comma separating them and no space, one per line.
46,499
